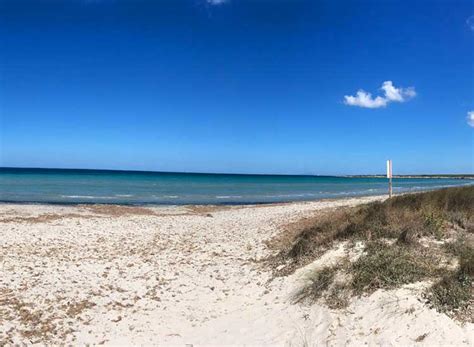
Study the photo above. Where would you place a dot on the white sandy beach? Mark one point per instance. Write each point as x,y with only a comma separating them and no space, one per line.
184,275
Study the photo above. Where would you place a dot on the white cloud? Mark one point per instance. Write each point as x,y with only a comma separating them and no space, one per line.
364,99
470,118
391,94
397,94
216,2
470,23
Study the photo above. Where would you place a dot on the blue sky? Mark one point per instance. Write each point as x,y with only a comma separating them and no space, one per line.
238,86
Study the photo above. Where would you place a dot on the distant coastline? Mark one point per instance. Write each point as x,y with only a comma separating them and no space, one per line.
438,176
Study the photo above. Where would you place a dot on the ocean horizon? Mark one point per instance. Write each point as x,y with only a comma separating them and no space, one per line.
89,186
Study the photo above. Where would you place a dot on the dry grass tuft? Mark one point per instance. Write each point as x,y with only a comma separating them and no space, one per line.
319,282
409,237
119,210
44,218
338,297
208,209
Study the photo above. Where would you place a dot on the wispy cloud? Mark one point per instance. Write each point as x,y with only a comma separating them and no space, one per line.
470,23
391,94
216,2
470,118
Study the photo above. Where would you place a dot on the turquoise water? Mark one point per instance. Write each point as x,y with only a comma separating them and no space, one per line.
132,187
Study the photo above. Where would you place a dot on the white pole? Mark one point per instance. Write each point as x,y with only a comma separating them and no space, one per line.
389,176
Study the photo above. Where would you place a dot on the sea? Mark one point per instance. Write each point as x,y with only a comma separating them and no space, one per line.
74,186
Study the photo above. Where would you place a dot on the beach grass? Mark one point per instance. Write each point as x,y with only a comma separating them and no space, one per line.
388,266
454,293
406,217
406,239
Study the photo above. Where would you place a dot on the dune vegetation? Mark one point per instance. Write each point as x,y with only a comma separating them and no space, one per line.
410,238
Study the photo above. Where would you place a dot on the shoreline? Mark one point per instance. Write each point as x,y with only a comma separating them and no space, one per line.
189,274
223,204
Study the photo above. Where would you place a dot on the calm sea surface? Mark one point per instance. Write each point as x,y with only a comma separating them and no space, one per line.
132,187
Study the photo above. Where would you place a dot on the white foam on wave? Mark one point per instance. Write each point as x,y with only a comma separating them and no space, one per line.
165,196
86,197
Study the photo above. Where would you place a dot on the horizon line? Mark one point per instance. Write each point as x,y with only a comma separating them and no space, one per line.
225,173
